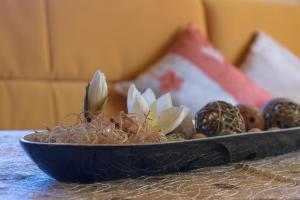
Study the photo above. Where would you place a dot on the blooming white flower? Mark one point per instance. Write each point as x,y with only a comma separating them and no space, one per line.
96,93
164,116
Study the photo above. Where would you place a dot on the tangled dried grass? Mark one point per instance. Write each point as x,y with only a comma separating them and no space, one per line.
123,129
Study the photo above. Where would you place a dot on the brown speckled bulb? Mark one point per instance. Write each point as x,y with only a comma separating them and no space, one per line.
253,117
282,113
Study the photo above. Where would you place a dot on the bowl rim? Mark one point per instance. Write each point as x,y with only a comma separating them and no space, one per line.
24,140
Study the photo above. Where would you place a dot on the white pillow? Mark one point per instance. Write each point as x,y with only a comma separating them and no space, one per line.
273,67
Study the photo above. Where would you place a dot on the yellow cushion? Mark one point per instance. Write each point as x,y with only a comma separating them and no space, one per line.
36,104
26,105
119,37
232,24
23,39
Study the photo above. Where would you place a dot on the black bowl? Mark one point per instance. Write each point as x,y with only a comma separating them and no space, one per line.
94,163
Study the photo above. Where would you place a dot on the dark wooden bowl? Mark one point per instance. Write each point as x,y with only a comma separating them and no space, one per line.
94,163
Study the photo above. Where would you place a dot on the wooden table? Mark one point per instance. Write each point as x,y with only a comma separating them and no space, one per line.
271,178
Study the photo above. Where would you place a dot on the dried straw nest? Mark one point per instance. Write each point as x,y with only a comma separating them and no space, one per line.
281,113
123,129
219,118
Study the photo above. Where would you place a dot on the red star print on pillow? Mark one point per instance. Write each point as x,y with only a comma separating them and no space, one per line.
170,81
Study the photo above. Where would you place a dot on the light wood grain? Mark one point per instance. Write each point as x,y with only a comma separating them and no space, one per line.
271,178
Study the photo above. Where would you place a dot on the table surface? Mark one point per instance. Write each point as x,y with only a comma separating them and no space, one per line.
270,178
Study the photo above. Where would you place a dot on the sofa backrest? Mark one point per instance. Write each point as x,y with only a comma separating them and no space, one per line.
70,39
232,24
50,48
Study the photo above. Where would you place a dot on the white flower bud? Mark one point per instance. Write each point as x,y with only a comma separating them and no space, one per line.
96,93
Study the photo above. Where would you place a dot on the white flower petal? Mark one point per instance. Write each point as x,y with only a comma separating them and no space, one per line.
171,118
162,103
153,109
149,96
131,97
140,106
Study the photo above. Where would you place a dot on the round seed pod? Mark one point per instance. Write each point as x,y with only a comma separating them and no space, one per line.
252,116
281,113
219,118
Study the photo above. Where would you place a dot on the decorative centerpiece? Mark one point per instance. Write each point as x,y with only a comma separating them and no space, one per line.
155,120
219,118
151,138
149,120
281,113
